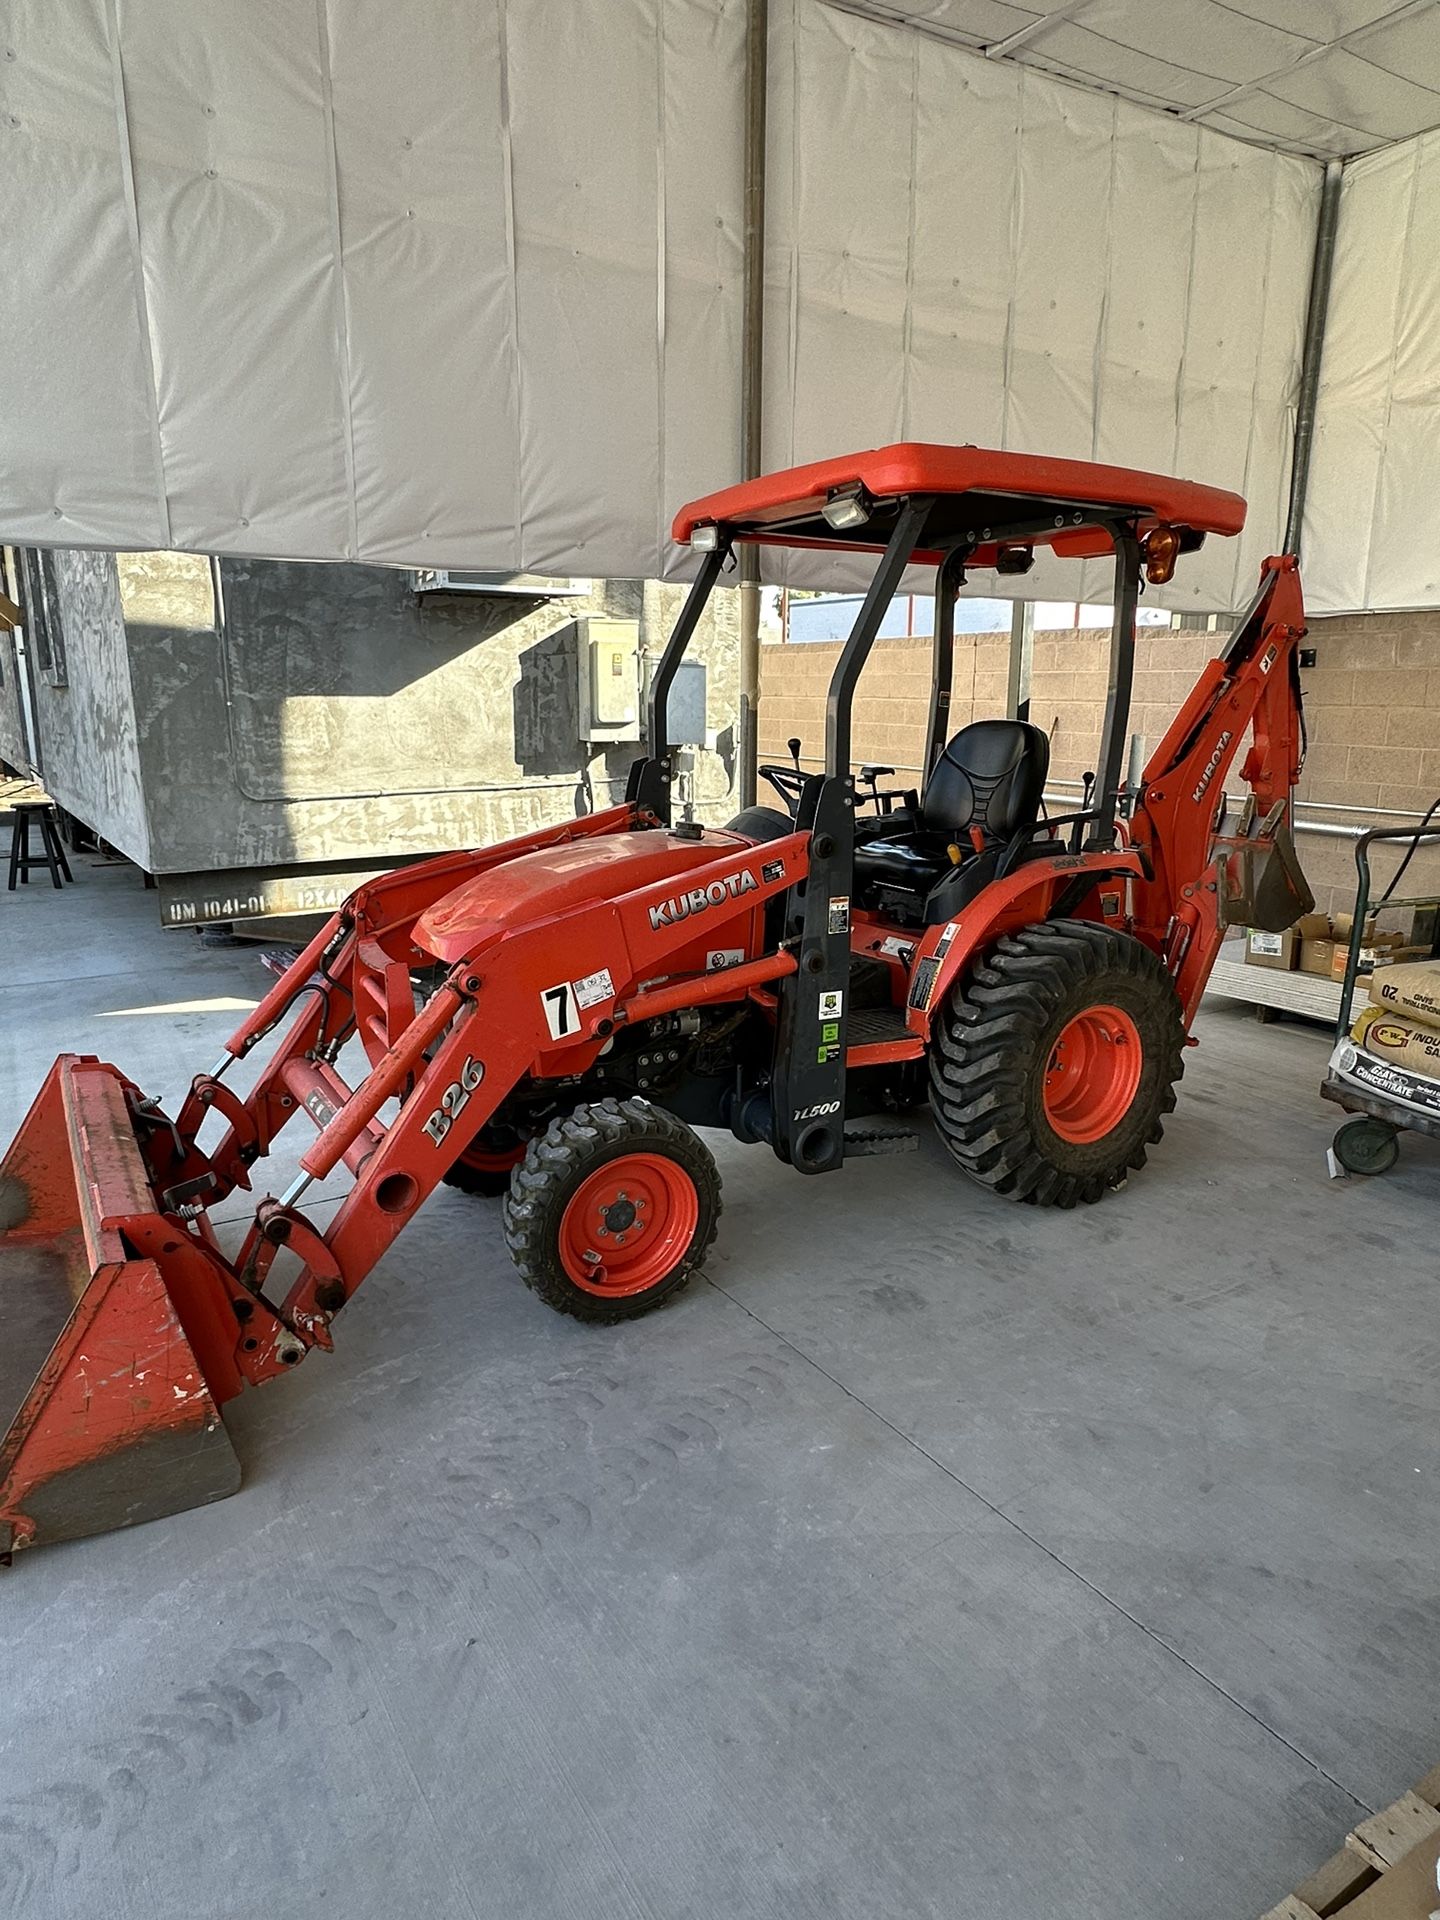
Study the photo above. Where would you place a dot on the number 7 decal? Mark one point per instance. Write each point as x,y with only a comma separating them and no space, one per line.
561,1014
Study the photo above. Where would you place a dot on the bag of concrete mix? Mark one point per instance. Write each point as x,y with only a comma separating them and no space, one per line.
1412,989
1403,1042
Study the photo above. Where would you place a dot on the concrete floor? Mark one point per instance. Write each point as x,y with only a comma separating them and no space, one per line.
933,1557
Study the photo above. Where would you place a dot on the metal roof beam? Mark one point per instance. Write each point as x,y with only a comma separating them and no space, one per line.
1306,59
1022,36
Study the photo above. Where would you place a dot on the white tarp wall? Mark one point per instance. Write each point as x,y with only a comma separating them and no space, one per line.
461,285
421,283
1372,523
963,250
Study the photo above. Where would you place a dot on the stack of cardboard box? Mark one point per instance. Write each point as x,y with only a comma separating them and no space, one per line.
1320,944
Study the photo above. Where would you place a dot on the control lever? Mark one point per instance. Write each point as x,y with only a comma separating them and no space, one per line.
1077,832
872,776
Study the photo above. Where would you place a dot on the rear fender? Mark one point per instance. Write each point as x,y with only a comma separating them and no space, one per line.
1018,900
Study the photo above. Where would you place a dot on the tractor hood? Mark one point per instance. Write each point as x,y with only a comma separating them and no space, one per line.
556,880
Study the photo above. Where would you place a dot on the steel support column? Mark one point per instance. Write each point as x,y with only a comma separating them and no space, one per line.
1022,650
752,376
1315,314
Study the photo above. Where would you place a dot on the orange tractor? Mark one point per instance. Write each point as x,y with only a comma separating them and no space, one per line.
555,1016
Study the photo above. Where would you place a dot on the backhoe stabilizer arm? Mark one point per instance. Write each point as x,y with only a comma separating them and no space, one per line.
1205,880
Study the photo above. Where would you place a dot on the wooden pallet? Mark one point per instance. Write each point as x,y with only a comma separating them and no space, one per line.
1375,1845
1309,995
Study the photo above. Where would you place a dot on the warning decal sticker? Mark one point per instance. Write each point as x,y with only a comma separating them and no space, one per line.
594,988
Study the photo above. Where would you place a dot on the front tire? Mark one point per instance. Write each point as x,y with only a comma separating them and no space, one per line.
612,1210
1052,1065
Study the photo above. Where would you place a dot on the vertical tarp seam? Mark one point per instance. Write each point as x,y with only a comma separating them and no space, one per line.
1183,360
507,168
342,295
907,336
660,259
142,304
1256,373
1017,222
794,220
1390,380
1102,323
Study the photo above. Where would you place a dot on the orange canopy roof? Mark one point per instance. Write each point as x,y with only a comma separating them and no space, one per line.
768,507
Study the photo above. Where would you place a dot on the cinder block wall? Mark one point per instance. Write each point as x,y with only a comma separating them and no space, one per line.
1067,692
1372,705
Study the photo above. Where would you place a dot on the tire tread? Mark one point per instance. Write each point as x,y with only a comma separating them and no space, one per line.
557,1159
988,1044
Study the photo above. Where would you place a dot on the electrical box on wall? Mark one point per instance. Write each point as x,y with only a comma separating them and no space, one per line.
609,659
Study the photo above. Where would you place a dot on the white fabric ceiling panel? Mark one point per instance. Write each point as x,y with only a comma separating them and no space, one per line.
1059,269
79,451
446,286
427,334
844,282
233,182
700,355
627,177
1326,78
1372,523
960,276
428,284
1009,261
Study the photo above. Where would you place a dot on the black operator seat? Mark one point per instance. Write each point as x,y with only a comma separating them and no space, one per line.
985,790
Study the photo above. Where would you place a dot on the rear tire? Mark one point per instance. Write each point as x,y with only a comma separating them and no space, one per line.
612,1210
486,1165
761,823
1052,1065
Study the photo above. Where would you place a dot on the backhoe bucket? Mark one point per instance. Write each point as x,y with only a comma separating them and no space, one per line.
106,1414
1262,884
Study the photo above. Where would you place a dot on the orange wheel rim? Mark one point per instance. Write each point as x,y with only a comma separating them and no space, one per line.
1093,1074
628,1225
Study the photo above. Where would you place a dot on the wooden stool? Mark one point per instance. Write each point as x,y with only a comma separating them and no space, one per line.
53,854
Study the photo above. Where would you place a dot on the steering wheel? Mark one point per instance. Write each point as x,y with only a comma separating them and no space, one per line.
788,782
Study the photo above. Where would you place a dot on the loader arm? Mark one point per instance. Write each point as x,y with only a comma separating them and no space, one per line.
1204,878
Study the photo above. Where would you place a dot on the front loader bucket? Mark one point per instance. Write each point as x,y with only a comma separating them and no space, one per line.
106,1416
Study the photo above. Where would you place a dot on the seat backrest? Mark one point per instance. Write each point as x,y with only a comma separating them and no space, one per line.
991,776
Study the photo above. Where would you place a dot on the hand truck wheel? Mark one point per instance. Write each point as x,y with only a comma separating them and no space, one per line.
1366,1145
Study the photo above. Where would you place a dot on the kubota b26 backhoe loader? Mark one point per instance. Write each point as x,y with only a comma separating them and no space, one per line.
554,1016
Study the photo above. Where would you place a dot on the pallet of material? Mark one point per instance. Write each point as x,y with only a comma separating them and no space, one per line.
1384,1871
1305,994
